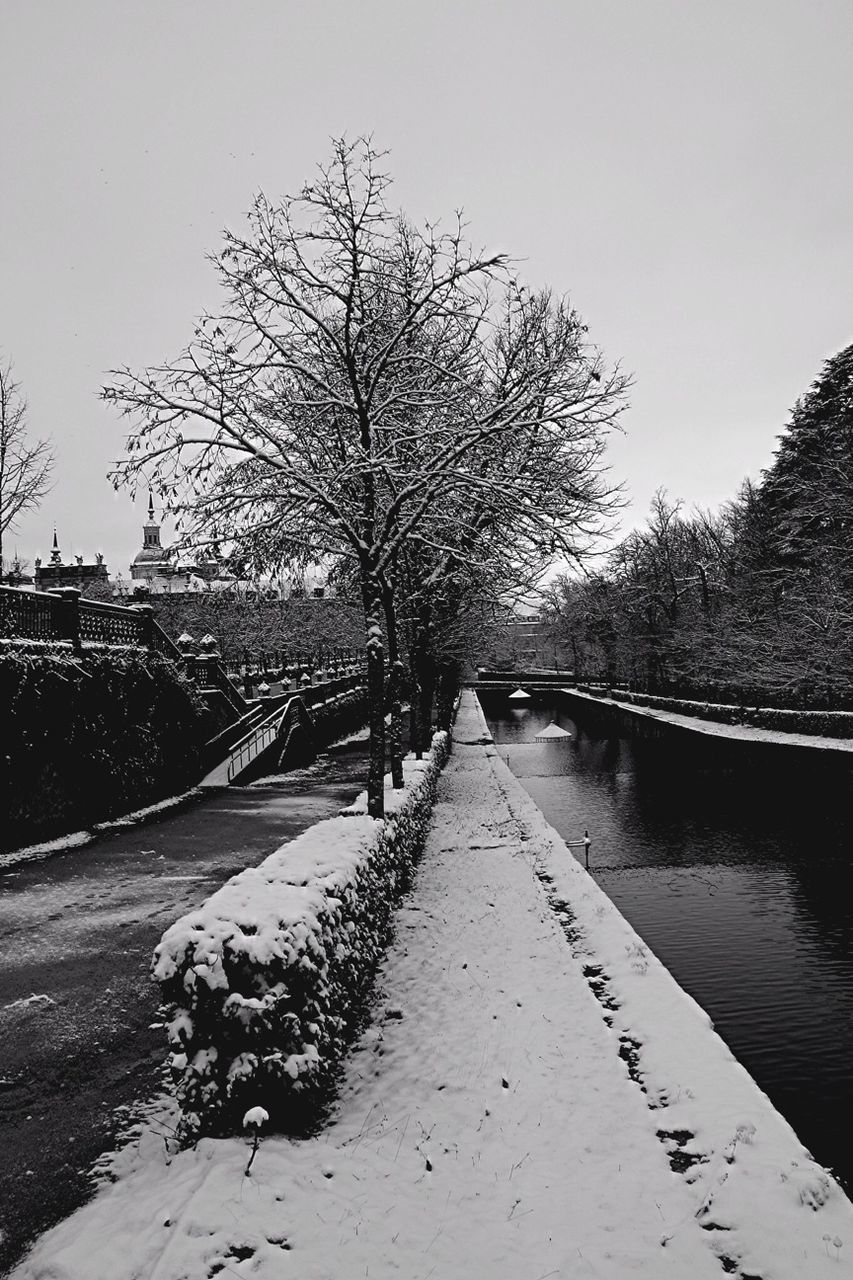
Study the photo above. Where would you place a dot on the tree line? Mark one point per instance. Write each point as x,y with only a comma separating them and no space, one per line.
750,604
378,397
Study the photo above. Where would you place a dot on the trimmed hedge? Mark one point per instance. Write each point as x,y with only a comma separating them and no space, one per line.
266,979
90,736
827,724
341,714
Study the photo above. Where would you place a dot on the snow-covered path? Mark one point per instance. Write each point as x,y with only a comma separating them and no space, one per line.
77,929
487,1126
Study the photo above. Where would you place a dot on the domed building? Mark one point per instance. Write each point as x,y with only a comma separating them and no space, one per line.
151,562
158,569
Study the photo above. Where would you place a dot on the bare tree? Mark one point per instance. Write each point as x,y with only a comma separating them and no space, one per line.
25,466
349,388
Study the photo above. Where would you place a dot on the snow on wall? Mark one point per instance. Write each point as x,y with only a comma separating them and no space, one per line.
827,724
764,1201
265,977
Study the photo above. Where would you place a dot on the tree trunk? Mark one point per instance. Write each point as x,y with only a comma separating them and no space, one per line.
415,734
395,727
375,698
448,687
426,681
423,683
395,688
578,672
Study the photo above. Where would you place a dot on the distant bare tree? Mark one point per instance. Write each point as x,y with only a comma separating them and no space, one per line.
25,466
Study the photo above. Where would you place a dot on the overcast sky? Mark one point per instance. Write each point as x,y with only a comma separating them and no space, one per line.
681,169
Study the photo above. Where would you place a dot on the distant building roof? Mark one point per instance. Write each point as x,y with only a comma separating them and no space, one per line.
58,574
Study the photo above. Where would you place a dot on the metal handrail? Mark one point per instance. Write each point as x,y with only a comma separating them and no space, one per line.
267,720
262,736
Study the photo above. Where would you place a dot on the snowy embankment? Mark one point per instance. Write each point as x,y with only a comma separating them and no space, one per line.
758,1194
490,1123
718,728
265,978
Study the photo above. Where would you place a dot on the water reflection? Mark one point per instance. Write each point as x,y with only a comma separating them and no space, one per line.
736,876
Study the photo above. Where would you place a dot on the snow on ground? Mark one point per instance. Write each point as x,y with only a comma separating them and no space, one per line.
150,810
487,1126
718,730
33,852
294,775
360,735
759,1196
76,839
26,1002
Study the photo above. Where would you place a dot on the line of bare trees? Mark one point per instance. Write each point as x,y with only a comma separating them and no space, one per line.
379,396
753,603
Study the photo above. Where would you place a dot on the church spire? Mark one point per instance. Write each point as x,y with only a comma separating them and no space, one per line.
55,557
151,530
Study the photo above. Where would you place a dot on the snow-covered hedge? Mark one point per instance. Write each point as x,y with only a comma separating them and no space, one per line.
827,724
820,723
265,979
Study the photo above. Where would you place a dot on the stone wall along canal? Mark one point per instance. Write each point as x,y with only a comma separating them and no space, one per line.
734,868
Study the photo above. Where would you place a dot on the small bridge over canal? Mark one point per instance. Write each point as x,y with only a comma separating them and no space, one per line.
531,680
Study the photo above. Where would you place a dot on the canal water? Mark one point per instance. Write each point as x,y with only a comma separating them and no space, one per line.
738,879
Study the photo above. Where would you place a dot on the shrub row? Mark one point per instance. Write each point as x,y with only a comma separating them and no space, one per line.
824,693
265,981
341,714
810,693
89,736
828,724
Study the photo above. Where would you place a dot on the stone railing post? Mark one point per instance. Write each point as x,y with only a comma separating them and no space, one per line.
187,646
146,623
69,615
208,661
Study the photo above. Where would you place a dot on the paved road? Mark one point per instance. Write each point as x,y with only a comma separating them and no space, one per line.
76,935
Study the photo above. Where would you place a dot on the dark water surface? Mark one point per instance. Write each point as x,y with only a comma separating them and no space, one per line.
738,879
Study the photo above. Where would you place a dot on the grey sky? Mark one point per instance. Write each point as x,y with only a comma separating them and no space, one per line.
681,169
